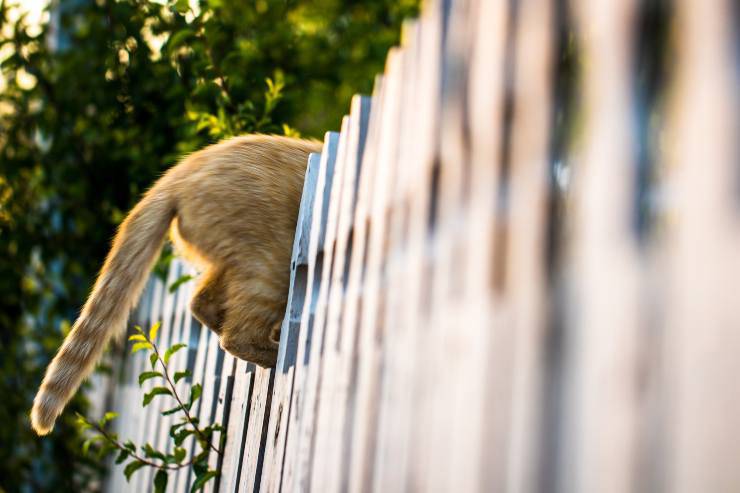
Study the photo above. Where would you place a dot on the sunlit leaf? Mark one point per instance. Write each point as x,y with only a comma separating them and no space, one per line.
179,282
179,375
168,354
132,467
153,331
141,345
143,377
153,393
195,392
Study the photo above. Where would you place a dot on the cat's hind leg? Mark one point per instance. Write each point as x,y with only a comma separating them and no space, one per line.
254,309
207,304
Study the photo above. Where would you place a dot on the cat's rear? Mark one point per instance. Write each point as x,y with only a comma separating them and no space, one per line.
235,202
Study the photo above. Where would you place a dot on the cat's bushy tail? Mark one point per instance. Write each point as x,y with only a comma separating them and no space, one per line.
117,289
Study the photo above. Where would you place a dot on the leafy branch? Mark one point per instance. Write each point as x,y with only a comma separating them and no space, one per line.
163,462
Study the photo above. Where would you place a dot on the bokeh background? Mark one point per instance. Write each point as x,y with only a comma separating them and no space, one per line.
97,98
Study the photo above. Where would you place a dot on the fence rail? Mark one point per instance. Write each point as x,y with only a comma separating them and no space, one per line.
512,271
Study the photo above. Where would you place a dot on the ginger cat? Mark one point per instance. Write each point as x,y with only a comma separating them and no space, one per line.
232,210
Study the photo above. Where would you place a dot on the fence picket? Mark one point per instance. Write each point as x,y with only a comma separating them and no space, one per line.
272,465
316,245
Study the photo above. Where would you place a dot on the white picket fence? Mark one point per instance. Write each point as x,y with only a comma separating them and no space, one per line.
433,341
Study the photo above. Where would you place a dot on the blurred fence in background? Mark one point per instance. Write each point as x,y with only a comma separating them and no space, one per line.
513,269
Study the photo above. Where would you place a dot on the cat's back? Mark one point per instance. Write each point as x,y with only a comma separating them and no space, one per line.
247,188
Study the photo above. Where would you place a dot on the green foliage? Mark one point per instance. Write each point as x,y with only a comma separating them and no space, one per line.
91,112
146,455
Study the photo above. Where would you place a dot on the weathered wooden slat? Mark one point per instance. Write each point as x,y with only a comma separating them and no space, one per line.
312,452
701,333
142,481
209,365
363,424
315,268
317,311
490,65
345,368
256,431
604,319
526,271
272,464
221,416
126,423
199,337
421,71
180,334
236,432
332,402
392,436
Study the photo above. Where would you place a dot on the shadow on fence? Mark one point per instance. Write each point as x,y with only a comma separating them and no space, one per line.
495,285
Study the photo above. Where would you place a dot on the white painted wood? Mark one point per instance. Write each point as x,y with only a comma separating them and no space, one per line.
332,403
315,268
701,332
142,480
272,465
256,431
604,312
237,427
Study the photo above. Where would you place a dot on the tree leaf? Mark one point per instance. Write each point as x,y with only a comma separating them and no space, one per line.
171,411
122,456
106,449
153,331
179,454
137,337
178,39
175,427
144,376
181,435
151,453
202,480
132,467
195,393
182,374
153,359
153,393
107,417
160,481
87,443
129,445
179,282
182,6
139,346
168,354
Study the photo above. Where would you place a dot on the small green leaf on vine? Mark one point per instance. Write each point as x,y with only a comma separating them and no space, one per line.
139,346
168,354
132,467
143,377
182,374
153,393
153,331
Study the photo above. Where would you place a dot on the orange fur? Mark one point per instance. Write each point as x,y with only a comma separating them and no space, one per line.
233,208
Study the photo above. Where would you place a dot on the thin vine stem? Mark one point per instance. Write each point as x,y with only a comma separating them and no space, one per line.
119,446
185,410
